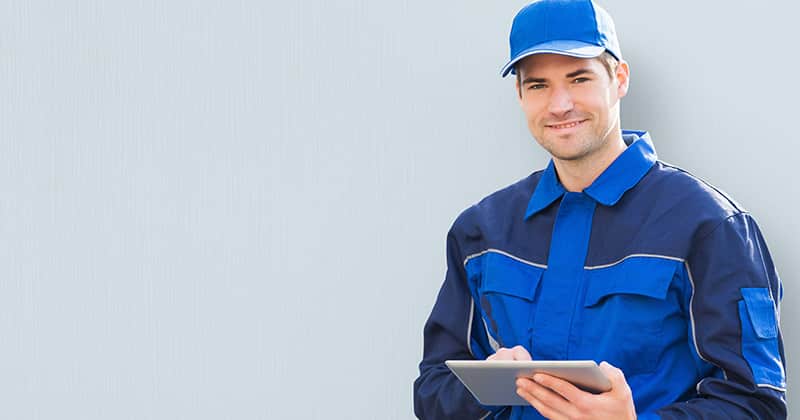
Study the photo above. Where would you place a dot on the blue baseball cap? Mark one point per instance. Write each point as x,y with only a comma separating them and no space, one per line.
578,28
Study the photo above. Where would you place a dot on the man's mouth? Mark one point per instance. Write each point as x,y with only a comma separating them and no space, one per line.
569,124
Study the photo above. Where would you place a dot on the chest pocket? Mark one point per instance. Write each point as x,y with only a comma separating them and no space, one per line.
626,308
507,293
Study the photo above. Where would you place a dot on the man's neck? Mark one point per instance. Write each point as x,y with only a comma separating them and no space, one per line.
576,175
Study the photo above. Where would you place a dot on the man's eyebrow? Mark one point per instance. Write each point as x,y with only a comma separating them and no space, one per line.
579,72
533,80
568,76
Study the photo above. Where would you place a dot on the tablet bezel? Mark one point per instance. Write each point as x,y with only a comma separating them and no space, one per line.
493,382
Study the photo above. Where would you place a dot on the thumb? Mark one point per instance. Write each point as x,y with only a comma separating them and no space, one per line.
614,375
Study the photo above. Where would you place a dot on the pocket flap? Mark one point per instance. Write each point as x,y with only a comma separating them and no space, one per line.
761,311
644,276
508,276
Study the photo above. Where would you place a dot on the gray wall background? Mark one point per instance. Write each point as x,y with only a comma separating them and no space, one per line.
237,209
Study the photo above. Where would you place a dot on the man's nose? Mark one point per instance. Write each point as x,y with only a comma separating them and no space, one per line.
560,101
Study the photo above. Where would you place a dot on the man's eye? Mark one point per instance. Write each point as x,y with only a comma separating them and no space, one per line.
536,86
581,80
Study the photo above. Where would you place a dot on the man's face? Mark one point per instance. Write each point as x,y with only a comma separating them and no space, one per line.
571,104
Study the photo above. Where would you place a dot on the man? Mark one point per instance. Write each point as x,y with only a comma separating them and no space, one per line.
607,254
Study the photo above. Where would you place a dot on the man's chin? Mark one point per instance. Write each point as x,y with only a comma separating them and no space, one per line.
570,158
569,149
568,155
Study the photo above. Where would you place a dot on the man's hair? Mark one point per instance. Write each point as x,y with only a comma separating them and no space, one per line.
608,61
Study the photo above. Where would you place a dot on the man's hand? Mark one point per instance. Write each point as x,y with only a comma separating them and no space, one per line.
558,399
514,353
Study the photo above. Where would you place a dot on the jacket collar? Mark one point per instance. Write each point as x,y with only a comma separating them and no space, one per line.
625,172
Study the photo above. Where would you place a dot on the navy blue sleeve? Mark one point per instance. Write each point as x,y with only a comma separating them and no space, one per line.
734,312
438,394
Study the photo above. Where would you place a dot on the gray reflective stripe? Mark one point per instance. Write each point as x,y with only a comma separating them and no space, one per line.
492,342
497,251
694,328
665,257
776,388
469,325
486,416
776,302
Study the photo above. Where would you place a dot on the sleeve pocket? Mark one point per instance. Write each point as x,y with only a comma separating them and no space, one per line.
761,311
760,337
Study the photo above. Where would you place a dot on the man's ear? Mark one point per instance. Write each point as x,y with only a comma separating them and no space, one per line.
623,75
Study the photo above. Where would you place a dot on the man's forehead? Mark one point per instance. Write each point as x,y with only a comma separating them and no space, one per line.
553,64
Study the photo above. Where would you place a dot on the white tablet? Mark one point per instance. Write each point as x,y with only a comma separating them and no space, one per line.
493,382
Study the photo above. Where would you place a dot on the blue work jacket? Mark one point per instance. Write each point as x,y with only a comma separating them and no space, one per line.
649,268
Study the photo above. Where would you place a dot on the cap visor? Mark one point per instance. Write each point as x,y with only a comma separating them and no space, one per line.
571,48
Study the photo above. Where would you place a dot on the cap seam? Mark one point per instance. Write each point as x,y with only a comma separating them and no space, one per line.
596,25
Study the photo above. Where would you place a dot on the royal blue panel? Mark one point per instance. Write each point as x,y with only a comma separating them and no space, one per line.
506,290
760,337
506,276
645,276
627,317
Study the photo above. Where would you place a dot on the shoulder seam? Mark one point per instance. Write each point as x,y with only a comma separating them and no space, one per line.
720,222
708,184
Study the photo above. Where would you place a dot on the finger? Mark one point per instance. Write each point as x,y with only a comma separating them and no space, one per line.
548,397
540,406
501,354
563,388
520,353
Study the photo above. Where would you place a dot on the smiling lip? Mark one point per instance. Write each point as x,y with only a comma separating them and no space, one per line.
569,124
